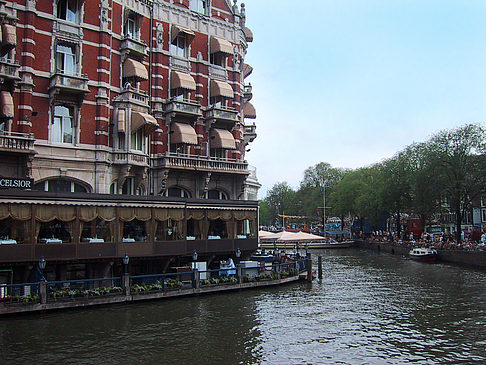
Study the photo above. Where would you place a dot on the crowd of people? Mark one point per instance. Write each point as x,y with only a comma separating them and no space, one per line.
439,241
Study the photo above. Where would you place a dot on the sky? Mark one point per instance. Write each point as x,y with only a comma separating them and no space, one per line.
352,82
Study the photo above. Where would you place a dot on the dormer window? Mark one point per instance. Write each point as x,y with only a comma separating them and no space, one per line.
68,10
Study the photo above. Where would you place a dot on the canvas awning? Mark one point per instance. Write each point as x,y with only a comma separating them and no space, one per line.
9,35
182,80
145,120
220,45
249,110
222,138
7,104
247,70
176,30
183,133
134,69
248,34
220,88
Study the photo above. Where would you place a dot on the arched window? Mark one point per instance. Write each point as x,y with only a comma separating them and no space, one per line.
176,192
217,194
60,186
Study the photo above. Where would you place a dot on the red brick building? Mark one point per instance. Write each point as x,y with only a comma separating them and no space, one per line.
133,97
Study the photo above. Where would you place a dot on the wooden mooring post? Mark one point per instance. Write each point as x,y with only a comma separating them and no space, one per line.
309,267
319,267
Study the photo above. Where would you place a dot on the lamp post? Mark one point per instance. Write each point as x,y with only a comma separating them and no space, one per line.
324,206
126,260
42,266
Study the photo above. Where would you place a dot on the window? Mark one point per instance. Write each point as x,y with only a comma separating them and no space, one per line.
114,187
200,6
66,59
217,194
218,59
180,148
484,215
137,141
60,186
62,128
180,94
131,29
128,186
179,46
177,193
218,101
68,10
218,152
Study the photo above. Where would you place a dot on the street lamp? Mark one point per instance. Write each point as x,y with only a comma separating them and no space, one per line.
42,266
238,255
126,260
324,206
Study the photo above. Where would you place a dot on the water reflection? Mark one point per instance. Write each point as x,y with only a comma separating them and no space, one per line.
369,308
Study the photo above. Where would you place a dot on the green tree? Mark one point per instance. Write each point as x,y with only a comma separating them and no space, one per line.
281,199
458,155
264,213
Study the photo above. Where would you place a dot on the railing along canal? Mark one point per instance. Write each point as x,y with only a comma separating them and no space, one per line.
92,291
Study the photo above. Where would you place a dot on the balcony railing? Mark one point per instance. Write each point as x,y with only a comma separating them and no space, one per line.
130,158
134,46
185,106
135,96
16,142
218,72
75,83
180,64
9,69
202,163
222,113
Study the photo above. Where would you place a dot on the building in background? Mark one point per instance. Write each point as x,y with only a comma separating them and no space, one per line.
131,98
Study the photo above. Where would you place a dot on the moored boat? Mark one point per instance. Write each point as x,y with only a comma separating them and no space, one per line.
423,254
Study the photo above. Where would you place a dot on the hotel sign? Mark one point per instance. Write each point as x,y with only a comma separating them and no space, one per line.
14,183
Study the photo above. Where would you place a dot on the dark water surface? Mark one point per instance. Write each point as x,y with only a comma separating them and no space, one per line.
370,308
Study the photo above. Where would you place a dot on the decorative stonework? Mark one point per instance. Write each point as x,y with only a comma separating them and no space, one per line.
104,15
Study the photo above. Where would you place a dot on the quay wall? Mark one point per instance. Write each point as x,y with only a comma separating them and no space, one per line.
463,257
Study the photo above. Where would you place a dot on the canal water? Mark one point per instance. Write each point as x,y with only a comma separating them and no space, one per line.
370,308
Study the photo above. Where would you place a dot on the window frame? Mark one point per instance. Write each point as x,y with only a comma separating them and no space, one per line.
68,15
58,122
62,59
178,49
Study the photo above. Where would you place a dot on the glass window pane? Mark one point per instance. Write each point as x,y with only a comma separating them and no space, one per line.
56,129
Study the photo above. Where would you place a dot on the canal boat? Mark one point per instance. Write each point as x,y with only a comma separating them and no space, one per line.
423,254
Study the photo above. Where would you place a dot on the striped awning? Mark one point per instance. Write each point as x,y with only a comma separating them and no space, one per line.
145,120
247,70
220,88
222,138
182,80
9,35
134,69
176,30
248,34
220,45
183,133
249,110
7,104
121,119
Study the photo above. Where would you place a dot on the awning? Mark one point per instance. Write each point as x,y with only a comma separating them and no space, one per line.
183,133
145,120
182,80
220,45
248,34
7,104
176,30
134,69
222,138
9,35
249,110
121,119
247,70
220,88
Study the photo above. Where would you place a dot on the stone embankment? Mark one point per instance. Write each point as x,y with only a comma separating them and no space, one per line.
474,257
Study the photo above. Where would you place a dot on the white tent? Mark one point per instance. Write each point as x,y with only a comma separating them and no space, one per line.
299,237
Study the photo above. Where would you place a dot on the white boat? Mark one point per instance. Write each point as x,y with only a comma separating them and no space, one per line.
423,254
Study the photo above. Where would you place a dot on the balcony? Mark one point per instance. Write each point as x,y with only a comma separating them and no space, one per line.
16,142
180,64
67,30
218,73
249,133
134,96
134,47
247,92
186,106
71,84
222,113
9,69
134,158
202,163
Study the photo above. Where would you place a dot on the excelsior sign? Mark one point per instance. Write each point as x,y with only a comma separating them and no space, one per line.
8,182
